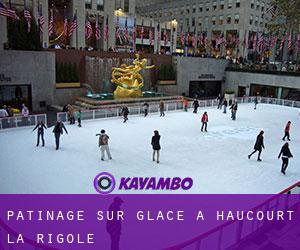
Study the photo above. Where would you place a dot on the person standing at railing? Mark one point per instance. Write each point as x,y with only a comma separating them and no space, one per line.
195,106
204,121
259,145
146,108
71,113
125,113
79,117
3,113
25,111
103,144
162,108
40,132
225,104
286,154
155,142
58,131
287,131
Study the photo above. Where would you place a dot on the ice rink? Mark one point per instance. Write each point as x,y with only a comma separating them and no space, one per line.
217,161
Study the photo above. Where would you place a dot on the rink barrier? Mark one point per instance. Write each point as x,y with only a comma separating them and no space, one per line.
221,236
21,121
115,111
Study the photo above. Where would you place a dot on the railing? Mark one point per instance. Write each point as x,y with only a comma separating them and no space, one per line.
222,237
21,121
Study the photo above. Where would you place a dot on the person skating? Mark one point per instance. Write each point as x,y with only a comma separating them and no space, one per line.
125,113
234,108
220,101
103,144
286,154
162,108
204,121
146,108
195,106
40,132
287,131
155,142
259,145
79,117
225,104
58,131
255,102
71,113
185,105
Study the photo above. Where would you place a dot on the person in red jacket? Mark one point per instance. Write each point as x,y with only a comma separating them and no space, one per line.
287,131
204,121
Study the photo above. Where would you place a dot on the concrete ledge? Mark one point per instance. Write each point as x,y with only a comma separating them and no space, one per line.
67,85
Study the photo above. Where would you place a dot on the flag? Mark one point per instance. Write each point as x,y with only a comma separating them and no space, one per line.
41,19
220,40
97,30
27,17
273,41
142,32
290,44
88,28
182,38
51,23
118,31
151,34
166,36
126,34
73,26
106,30
255,42
282,43
194,39
261,43
4,11
65,25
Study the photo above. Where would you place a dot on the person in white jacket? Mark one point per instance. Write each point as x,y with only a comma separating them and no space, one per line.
25,111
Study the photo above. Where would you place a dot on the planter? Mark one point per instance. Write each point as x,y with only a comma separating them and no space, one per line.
229,97
166,82
67,85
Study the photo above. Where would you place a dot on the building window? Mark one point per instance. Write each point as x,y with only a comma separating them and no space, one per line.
206,22
194,8
238,3
182,11
118,4
229,19
126,6
215,5
222,5
201,8
252,4
221,20
251,20
213,20
88,4
193,21
100,4
262,7
261,24
229,4
207,6
187,22
256,21
236,18
200,21
257,5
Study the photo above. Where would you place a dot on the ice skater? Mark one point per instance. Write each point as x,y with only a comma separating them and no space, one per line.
204,121
287,131
220,101
195,106
146,109
259,145
156,145
234,108
71,112
58,131
40,132
255,102
286,154
185,105
125,113
103,144
225,104
79,117
162,108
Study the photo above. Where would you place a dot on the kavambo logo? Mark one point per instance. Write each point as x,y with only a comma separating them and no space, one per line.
105,183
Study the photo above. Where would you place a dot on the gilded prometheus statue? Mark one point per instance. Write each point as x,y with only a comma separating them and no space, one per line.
128,79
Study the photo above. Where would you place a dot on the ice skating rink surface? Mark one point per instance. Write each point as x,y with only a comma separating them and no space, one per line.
217,160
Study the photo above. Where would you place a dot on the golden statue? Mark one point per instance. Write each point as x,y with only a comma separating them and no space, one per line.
128,79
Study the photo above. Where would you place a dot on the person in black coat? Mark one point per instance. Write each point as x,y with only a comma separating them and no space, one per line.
234,108
259,145
58,130
196,106
146,108
40,133
286,154
156,145
125,113
225,104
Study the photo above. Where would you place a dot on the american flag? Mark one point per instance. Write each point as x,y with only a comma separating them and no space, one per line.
273,42
27,17
182,38
166,36
74,25
118,31
97,30
65,26
255,42
194,39
51,23
106,30
261,42
282,43
151,34
126,34
41,20
220,40
290,44
142,32
88,28
4,11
